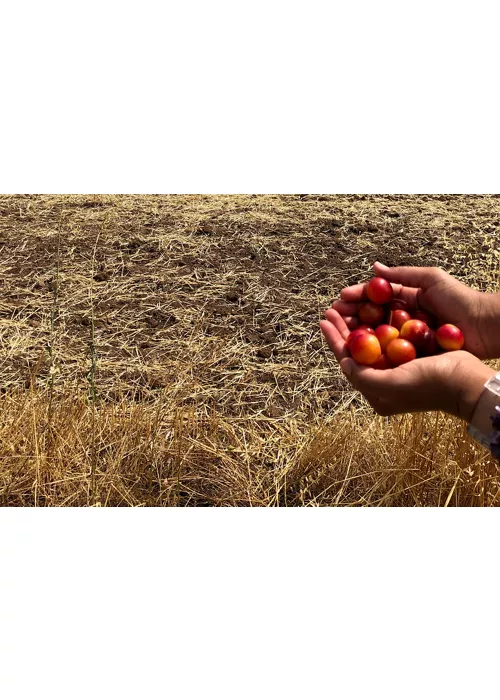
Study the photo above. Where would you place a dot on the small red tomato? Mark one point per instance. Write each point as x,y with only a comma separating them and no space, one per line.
425,317
354,334
382,363
399,318
450,337
371,314
365,349
429,345
379,290
398,304
400,352
414,331
386,334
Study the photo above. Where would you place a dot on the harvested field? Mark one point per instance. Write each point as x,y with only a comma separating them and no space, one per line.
165,350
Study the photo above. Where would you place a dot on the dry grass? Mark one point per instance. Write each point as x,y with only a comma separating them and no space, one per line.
164,350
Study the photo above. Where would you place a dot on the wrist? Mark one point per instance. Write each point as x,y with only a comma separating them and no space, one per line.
485,424
472,390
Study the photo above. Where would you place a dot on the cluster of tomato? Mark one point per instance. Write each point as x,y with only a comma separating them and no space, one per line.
390,336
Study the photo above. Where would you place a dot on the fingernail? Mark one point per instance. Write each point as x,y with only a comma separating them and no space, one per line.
381,265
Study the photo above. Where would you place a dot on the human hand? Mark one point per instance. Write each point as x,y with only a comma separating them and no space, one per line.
432,289
450,382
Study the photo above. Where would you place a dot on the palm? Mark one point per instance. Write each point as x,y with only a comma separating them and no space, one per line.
414,386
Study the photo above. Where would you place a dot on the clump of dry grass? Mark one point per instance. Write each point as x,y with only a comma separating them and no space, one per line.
196,321
155,454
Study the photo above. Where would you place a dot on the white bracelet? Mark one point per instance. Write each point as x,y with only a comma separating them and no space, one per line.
486,419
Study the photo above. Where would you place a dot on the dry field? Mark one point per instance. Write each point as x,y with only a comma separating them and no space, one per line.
165,350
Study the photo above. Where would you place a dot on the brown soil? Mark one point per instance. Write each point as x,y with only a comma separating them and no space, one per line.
213,299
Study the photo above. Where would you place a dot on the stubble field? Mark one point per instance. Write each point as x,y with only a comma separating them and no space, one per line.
165,350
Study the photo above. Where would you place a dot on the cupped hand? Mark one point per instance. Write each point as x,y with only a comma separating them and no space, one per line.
450,382
434,290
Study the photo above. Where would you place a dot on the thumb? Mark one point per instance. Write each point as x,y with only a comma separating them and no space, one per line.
424,277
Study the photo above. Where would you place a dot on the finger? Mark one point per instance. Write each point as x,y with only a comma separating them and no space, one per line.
351,322
415,277
354,294
345,308
335,341
407,294
338,321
